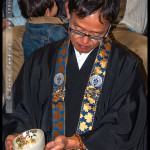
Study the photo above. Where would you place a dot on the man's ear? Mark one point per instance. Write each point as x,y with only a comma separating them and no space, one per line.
67,10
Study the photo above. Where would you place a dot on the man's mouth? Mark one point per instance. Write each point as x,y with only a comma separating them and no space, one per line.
82,46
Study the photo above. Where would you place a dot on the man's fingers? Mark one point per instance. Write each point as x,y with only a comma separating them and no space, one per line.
9,145
9,142
49,145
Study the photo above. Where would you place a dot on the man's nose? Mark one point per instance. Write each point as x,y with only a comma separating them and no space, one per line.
85,40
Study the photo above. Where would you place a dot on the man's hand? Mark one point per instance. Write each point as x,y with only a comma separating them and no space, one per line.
9,141
59,143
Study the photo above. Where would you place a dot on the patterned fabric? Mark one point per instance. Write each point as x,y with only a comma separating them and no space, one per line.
58,104
94,87
92,91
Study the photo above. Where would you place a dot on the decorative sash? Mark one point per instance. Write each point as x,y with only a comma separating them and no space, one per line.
92,91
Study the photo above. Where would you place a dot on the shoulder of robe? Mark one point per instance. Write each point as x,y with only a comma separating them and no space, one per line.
122,53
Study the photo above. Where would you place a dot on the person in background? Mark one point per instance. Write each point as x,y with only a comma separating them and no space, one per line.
16,19
84,91
129,30
62,10
60,6
135,15
42,27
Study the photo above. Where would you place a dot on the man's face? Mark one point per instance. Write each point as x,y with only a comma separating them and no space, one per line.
89,25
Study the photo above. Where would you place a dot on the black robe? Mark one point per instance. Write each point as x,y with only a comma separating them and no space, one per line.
120,120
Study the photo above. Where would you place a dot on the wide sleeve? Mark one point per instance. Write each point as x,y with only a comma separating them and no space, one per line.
123,125
18,110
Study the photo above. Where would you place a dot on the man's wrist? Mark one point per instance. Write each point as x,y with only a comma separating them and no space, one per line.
78,137
73,143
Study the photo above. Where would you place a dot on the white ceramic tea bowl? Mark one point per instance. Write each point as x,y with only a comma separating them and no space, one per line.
32,139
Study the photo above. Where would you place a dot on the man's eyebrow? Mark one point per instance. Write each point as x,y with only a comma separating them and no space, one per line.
77,25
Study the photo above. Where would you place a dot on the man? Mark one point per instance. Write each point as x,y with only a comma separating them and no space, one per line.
84,92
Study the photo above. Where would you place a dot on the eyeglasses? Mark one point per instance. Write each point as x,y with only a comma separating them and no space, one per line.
91,37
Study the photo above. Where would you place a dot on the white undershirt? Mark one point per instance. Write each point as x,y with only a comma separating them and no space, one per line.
81,57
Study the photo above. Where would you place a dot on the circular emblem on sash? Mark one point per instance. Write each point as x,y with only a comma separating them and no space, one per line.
96,80
59,78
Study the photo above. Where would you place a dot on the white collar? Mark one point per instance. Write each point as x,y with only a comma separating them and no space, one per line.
81,57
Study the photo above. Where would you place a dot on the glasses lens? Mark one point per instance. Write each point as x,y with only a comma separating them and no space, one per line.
80,34
77,33
96,38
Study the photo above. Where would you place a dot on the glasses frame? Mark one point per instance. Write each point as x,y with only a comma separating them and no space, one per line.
89,36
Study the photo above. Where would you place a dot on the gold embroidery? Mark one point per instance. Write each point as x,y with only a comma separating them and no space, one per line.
64,51
60,106
102,53
55,99
97,70
81,115
61,69
59,60
83,126
56,134
96,61
88,117
64,43
60,125
104,73
103,63
58,91
65,60
91,100
90,128
57,115
94,109
86,107
107,46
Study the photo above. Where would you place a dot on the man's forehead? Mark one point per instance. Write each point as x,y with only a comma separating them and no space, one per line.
94,16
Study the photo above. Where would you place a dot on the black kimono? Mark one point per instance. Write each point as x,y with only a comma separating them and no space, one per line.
120,119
